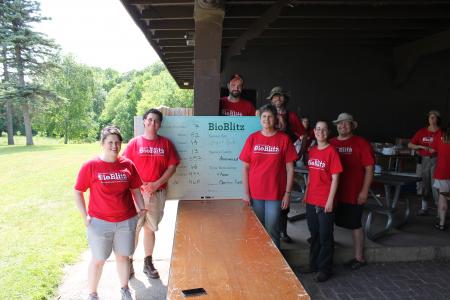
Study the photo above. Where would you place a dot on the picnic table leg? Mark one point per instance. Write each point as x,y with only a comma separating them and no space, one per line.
407,215
372,194
367,228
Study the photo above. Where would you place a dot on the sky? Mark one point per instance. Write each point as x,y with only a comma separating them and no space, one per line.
99,33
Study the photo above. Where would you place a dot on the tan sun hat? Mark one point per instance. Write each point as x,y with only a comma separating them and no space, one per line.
345,117
278,90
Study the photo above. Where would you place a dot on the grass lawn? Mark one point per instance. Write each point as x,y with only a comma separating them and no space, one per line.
40,227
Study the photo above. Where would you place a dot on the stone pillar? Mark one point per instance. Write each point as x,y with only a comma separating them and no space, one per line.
208,15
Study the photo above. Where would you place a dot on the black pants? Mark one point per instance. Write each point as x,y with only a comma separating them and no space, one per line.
284,219
320,225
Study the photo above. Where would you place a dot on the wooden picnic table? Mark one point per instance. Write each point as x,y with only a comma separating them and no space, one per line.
220,245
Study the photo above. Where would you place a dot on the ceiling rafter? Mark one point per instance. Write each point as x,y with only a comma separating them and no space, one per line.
168,23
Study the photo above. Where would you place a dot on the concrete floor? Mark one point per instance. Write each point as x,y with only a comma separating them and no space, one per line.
416,241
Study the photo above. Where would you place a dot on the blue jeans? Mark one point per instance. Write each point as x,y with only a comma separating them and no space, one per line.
268,213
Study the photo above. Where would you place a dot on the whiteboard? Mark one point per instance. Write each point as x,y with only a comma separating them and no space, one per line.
209,149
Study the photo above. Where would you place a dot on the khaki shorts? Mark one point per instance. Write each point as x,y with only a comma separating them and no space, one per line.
154,203
104,236
442,185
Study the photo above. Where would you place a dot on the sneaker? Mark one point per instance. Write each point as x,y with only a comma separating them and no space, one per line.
126,294
149,268
322,277
440,227
131,268
285,237
93,296
422,212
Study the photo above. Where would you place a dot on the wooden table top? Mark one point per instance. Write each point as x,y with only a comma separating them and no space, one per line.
219,245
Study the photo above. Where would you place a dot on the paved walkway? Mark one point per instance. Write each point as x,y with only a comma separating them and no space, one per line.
74,286
413,280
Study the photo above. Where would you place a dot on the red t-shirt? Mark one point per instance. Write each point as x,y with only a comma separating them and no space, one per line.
109,184
152,157
267,157
355,154
424,137
321,164
442,170
295,124
241,108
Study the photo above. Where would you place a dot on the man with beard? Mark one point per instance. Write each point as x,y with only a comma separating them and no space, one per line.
358,161
233,104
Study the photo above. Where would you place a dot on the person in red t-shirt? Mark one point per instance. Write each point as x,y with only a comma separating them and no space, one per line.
310,137
358,161
324,167
442,174
156,160
111,215
422,141
233,104
289,123
268,172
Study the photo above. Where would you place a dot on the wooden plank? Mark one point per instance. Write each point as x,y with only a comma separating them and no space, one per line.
221,246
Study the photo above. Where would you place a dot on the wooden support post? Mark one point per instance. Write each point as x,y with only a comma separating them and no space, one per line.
208,17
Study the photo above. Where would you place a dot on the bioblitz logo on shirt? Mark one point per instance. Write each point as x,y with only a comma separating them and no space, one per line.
267,149
427,139
229,112
345,150
316,163
112,177
151,150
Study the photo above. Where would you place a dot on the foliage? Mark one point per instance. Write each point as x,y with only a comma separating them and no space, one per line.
139,91
120,106
160,90
72,118
26,54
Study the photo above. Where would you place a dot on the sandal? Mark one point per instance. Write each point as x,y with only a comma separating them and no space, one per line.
358,264
440,227
350,263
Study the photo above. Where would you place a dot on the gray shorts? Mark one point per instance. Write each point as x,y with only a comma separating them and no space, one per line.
104,236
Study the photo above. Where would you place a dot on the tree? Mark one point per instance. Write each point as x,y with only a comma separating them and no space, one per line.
162,90
32,52
5,45
120,106
72,118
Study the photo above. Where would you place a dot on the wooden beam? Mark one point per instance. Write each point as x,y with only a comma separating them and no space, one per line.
167,13
255,29
186,25
162,2
407,55
342,12
208,43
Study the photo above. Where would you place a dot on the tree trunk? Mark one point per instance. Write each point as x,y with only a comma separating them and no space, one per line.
27,123
66,132
8,108
25,106
9,122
